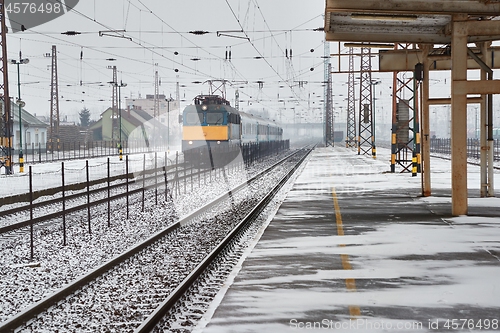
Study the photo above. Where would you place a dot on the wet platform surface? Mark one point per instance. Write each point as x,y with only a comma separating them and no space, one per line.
354,248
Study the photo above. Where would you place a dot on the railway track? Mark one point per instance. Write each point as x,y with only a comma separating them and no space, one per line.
151,276
49,209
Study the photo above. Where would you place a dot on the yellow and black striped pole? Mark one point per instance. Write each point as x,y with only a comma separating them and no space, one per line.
21,161
6,150
416,159
416,130
374,148
414,165
120,151
419,150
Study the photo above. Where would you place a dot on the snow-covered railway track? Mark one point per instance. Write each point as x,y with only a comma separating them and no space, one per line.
122,293
205,280
50,209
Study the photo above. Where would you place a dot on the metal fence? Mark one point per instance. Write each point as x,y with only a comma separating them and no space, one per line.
443,146
61,151
107,187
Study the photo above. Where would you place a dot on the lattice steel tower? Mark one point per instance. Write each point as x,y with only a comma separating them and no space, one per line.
115,117
329,138
6,123
403,145
156,110
366,141
351,104
54,102
178,94
328,121
237,100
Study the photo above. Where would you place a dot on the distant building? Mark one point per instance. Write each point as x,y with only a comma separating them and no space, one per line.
33,131
148,104
70,134
136,125
169,111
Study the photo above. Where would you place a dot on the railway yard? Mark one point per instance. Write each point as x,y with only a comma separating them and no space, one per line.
114,277
188,257
248,166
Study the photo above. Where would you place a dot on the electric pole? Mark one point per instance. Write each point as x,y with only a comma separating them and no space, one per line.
6,123
54,102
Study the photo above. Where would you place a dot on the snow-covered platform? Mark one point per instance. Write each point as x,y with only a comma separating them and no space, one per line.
355,248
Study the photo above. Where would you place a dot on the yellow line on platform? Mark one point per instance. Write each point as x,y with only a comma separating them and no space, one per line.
338,216
350,283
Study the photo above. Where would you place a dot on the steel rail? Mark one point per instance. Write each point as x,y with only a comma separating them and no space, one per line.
150,323
77,186
36,309
48,217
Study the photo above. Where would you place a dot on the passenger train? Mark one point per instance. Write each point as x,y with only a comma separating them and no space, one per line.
213,130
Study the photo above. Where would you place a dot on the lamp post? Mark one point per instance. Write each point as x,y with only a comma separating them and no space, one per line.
120,150
20,104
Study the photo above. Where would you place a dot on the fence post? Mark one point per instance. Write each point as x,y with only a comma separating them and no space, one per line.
165,170
126,177
185,176
156,179
88,195
63,204
109,195
177,173
32,254
143,179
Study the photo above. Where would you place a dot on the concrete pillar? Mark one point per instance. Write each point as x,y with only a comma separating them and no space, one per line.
459,203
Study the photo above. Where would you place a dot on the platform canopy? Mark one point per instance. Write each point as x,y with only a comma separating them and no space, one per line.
409,21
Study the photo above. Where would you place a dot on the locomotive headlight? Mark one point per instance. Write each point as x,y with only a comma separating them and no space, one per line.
190,142
218,142
204,107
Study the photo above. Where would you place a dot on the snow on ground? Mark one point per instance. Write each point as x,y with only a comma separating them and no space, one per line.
23,283
405,271
48,175
457,282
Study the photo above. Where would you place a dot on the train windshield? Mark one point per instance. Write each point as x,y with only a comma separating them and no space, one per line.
215,118
194,118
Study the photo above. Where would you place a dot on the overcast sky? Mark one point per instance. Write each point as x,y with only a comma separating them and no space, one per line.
147,35
157,32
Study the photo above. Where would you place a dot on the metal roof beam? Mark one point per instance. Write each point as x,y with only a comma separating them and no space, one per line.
447,101
405,60
385,37
483,28
439,7
480,87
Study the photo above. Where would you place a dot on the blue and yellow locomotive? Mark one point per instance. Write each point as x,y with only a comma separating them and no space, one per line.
213,131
